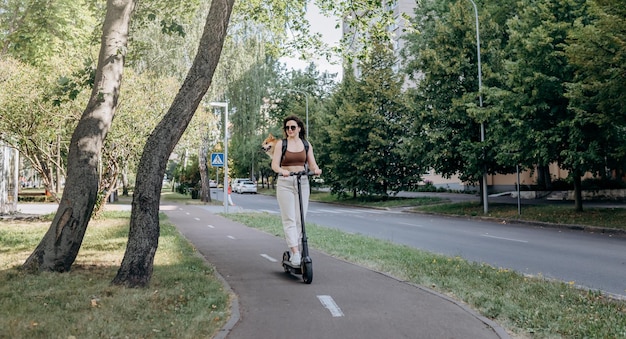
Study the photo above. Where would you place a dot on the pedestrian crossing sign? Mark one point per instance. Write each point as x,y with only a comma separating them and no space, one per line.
217,159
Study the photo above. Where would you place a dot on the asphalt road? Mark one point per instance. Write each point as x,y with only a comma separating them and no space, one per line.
344,300
590,260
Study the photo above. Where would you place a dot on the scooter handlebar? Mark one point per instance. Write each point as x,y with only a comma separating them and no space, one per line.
301,173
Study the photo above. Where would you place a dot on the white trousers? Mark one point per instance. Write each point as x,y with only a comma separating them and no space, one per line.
287,196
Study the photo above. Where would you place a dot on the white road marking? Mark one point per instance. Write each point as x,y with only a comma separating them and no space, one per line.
501,238
231,237
210,226
328,302
346,211
413,225
340,211
268,257
198,219
187,213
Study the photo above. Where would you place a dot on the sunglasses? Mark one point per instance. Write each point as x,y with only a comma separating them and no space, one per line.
292,127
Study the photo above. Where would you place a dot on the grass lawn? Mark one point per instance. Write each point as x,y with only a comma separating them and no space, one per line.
185,299
562,215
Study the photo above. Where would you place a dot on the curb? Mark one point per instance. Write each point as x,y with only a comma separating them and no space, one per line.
574,227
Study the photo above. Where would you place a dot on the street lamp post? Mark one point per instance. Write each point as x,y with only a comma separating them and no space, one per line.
480,102
225,106
306,99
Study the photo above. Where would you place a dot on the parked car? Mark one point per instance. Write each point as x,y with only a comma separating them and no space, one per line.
235,183
212,184
246,186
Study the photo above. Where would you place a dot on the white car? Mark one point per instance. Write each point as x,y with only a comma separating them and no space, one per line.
212,184
234,184
246,186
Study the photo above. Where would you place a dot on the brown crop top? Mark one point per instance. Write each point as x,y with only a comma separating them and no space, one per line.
294,158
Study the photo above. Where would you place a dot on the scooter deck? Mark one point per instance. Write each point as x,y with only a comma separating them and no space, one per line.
305,269
291,268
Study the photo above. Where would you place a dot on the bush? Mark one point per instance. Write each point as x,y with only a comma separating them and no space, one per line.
428,187
602,184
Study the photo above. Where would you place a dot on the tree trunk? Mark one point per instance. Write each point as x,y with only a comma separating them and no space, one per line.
125,180
59,246
137,265
204,175
544,179
578,192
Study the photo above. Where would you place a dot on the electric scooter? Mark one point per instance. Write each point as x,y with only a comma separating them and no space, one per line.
306,265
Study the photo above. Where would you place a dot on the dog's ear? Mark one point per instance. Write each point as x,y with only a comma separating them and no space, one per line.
271,136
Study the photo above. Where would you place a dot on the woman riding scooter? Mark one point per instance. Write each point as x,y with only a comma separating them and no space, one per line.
298,153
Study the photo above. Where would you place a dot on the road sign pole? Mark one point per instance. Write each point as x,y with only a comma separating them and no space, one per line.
225,105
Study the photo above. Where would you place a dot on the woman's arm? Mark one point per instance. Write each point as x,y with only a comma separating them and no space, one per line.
312,163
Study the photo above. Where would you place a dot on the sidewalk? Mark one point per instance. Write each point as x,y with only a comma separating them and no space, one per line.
27,210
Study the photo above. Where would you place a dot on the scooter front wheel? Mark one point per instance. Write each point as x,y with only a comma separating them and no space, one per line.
307,272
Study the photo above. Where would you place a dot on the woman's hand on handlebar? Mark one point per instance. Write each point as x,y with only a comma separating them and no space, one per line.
309,172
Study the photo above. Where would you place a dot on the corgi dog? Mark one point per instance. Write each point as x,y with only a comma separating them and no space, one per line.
269,144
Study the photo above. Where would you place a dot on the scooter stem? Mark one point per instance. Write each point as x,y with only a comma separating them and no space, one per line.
305,246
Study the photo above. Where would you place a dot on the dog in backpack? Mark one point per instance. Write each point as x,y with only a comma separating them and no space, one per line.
269,145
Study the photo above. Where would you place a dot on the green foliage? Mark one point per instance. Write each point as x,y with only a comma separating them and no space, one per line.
537,70
33,121
442,59
553,75
371,134
246,94
596,50
34,31
187,174
159,25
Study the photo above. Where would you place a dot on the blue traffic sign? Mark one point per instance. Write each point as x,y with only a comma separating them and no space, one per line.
217,159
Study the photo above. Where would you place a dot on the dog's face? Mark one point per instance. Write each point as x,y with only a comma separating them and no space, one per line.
268,145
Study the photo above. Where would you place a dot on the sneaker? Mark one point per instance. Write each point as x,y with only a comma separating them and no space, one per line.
295,259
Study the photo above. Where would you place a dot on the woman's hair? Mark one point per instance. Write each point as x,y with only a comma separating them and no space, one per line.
302,133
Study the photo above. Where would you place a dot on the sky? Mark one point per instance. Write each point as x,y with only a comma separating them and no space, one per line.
331,35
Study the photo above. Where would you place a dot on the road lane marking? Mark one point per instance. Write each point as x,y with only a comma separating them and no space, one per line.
502,238
408,224
328,302
210,226
198,219
268,257
231,237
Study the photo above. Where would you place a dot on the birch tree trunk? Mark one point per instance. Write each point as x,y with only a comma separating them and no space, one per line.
59,246
137,265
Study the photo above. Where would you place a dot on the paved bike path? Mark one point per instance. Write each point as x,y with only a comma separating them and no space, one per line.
343,301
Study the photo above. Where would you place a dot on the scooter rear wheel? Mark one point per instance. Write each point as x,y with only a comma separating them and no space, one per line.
307,272
286,257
